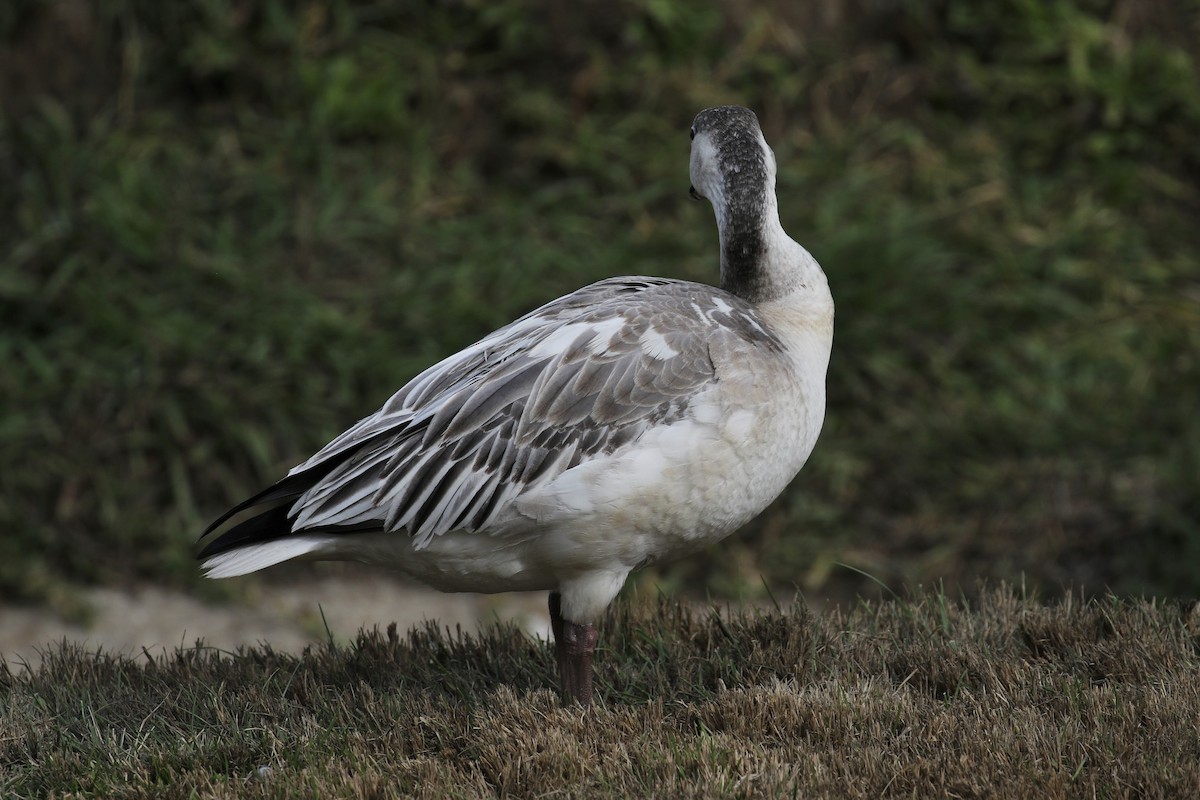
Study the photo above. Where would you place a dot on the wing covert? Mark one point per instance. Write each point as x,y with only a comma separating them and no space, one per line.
576,379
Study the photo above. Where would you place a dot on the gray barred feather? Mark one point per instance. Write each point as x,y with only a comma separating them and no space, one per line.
583,376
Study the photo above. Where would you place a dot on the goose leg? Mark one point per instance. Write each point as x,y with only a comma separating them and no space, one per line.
556,627
574,644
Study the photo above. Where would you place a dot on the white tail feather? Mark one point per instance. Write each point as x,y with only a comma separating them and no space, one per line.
254,557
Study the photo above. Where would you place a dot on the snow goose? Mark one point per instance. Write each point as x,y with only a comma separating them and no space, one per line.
632,421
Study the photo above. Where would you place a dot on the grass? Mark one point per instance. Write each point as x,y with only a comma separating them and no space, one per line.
921,697
235,228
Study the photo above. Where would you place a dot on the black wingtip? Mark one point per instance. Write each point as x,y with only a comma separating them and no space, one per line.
286,489
281,490
273,523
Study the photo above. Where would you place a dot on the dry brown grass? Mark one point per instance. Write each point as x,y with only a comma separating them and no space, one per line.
1002,697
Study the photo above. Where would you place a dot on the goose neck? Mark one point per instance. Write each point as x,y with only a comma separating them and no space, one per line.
751,237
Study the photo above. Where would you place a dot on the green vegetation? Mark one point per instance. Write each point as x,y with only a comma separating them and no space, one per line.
231,229
922,698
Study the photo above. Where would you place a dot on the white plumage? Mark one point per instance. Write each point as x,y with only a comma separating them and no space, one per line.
632,421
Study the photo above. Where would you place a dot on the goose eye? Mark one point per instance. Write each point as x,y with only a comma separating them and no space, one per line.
692,134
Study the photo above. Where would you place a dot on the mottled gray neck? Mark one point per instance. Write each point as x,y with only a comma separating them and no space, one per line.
745,223
735,169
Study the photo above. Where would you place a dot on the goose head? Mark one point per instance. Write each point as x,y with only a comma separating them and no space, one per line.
732,166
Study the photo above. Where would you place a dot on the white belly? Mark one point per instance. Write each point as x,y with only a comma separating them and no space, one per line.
680,487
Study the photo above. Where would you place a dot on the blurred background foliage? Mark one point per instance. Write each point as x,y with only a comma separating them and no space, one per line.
232,228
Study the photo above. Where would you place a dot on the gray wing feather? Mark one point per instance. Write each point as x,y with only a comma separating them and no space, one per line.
467,436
